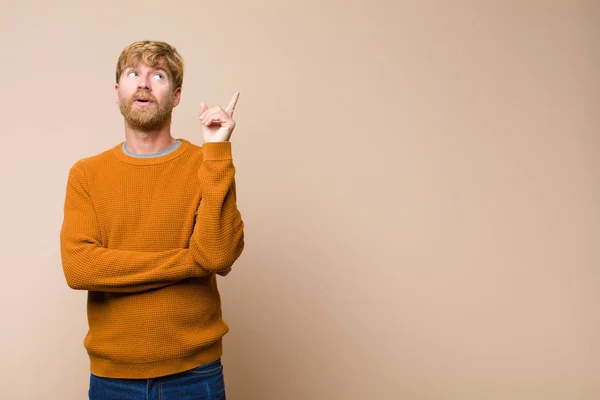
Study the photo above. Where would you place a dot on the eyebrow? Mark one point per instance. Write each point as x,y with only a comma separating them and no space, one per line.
155,70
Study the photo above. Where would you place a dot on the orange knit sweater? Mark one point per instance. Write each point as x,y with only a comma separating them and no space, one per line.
145,237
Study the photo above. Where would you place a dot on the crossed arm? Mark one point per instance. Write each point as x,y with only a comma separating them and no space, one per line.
216,242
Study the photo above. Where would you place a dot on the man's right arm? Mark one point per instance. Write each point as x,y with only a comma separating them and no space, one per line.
88,265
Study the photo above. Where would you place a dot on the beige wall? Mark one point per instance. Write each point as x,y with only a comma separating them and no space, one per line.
420,184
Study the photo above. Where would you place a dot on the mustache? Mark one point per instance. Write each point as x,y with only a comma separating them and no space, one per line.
143,94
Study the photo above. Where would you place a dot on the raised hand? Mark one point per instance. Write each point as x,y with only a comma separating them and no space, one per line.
218,124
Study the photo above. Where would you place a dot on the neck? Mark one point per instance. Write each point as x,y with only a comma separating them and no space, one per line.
148,142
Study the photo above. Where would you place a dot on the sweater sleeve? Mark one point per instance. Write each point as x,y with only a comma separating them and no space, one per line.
218,237
88,265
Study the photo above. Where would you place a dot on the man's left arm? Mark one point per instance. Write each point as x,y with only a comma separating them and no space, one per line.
218,237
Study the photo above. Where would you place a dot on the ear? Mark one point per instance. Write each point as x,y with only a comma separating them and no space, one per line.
117,92
177,96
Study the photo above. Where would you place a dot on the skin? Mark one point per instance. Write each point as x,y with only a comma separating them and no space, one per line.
217,123
156,86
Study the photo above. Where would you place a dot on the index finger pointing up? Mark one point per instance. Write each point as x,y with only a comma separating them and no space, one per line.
231,106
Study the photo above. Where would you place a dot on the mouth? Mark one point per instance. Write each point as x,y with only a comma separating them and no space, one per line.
142,101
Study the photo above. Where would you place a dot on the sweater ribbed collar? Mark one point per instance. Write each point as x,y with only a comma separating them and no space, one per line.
117,151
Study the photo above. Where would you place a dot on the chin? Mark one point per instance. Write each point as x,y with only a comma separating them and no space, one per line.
146,119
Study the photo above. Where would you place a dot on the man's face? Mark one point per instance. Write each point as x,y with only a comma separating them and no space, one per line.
146,97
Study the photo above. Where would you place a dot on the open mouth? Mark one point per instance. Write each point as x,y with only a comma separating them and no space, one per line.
142,101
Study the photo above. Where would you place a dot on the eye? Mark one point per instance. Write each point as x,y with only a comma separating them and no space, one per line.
132,74
159,76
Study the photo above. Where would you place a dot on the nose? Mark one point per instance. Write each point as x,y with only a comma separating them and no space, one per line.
143,81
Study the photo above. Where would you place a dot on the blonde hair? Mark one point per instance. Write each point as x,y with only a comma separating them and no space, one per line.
152,53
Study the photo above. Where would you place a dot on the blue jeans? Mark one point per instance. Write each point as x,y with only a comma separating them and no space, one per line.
202,383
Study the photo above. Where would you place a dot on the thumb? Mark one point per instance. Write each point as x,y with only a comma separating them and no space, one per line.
203,107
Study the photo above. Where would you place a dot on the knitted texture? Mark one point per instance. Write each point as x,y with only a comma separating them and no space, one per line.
145,237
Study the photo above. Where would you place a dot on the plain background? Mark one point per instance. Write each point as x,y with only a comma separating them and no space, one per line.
420,184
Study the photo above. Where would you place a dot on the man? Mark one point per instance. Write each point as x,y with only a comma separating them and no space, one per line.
148,224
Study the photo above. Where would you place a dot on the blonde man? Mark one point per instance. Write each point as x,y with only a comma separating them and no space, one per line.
148,224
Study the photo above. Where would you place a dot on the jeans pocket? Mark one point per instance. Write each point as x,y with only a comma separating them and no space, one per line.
205,382
208,369
116,389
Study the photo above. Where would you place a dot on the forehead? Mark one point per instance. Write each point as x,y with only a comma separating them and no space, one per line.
142,65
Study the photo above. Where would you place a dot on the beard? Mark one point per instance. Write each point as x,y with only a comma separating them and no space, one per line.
148,118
